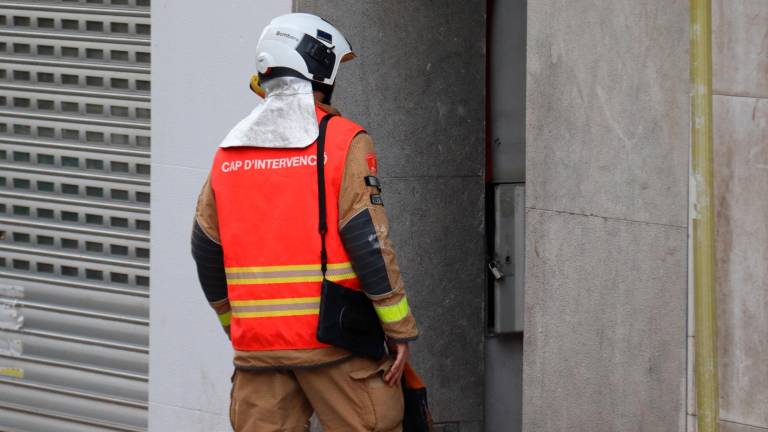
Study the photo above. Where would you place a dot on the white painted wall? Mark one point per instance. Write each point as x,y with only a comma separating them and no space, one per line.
203,57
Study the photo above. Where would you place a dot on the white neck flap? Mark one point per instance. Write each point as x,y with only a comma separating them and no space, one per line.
286,118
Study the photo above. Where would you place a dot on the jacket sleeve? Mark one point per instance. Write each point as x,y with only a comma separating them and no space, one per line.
209,255
364,231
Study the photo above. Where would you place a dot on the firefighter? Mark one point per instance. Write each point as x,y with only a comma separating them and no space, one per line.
256,245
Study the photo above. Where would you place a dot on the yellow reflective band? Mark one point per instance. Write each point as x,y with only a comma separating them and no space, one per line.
225,318
290,279
266,269
393,313
295,312
282,307
280,301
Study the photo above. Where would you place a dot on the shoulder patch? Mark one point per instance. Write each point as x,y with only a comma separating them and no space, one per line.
372,165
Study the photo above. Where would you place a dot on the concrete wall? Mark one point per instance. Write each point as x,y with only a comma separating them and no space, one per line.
607,173
203,57
418,87
740,81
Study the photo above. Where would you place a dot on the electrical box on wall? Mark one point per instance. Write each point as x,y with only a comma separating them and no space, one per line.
508,262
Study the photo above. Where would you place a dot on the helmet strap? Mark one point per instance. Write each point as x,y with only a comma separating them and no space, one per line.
277,72
325,89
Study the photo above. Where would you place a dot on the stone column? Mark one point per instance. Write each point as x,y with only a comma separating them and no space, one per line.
607,178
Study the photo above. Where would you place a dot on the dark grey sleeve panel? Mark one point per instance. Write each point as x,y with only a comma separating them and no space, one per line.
209,258
362,245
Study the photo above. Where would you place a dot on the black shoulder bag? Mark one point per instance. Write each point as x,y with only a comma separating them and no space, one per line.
347,317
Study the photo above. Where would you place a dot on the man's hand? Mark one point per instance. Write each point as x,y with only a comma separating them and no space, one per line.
393,375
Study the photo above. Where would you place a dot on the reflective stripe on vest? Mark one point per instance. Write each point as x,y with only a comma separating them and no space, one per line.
276,307
286,274
266,199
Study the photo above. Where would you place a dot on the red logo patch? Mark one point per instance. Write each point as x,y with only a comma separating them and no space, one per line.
371,158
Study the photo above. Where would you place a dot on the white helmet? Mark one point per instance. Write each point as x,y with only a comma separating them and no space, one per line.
304,43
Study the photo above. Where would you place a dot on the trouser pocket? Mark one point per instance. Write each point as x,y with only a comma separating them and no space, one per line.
386,403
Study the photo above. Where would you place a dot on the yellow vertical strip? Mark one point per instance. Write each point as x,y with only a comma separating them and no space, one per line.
703,217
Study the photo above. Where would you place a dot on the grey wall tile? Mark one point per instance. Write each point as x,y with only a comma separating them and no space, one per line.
418,83
605,337
471,427
726,426
608,108
170,418
437,230
202,61
740,47
191,358
741,181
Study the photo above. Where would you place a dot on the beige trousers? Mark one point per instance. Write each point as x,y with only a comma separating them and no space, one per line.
347,397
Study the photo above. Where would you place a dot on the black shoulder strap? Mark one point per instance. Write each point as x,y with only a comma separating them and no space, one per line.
323,225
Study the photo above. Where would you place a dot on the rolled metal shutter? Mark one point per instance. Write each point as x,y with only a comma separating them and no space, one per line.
74,214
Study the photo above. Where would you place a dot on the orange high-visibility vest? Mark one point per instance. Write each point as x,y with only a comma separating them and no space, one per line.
266,200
